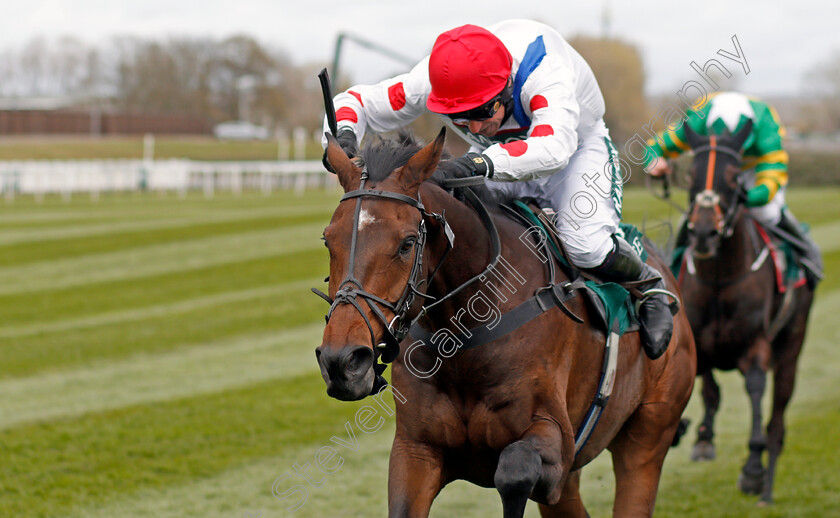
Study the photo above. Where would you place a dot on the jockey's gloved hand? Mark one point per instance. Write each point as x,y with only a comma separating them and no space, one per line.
471,164
347,140
758,196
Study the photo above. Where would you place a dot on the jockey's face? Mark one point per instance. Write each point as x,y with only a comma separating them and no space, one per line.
488,127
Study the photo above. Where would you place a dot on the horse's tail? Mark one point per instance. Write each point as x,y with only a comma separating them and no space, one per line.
681,429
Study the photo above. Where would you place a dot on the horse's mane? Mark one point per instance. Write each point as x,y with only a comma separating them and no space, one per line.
383,155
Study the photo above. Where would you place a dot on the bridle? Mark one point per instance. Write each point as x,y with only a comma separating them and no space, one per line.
350,289
708,198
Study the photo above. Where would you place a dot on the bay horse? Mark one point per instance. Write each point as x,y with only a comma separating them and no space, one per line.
505,414
738,314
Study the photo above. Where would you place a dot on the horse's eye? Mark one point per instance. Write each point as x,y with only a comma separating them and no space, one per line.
407,245
324,239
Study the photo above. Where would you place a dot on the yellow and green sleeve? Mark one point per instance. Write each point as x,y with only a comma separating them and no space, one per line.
766,156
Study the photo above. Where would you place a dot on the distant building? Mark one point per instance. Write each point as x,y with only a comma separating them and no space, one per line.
64,115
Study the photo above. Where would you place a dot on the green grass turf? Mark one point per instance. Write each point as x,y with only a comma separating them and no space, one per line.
158,361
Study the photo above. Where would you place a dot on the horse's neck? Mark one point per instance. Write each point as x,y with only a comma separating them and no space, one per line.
735,255
471,252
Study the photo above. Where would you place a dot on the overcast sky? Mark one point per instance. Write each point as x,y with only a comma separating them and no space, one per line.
781,40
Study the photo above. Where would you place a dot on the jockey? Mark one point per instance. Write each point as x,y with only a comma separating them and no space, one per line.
532,111
763,155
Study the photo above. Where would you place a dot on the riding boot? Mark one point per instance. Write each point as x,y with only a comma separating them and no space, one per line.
809,253
623,264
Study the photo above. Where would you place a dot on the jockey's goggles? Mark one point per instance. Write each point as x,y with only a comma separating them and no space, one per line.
480,113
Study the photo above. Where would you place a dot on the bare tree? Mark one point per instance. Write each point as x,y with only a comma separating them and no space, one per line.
620,73
822,86
204,77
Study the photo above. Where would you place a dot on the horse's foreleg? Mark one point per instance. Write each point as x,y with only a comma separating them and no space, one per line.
570,504
784,379
415,477
535,460
752,474
516,476
638,454
704,448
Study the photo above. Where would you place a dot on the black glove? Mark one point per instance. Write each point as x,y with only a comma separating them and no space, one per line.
471,164
347,140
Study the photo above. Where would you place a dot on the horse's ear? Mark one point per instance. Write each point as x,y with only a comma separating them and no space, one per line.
421,166
742,135
348,173
693,138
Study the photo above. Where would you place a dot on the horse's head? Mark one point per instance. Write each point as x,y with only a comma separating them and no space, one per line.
376,241
715,188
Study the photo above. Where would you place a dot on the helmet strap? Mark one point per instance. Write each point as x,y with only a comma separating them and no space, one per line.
507,101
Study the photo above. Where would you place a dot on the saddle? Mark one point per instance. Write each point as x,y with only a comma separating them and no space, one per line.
610,301
789,274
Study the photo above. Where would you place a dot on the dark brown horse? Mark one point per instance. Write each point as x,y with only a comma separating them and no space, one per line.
504,414
738,315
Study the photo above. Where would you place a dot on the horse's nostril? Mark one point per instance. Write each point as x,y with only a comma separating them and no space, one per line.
345,363
358,359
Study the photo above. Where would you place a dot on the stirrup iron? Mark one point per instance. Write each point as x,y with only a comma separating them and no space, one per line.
675,305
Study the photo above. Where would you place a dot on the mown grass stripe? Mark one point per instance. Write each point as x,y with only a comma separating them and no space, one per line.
142,379
159,310
76,231
361,481
90,247
91,299
159,259
129,205
47,469
827,236
190,329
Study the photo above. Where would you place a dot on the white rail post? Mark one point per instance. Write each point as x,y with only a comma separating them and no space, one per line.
148,147
39,193
282,144
236,179
209,178
8,186
93,177
69,184
300,183
266,181
299,136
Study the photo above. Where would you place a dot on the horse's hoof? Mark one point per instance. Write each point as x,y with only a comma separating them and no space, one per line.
764,503
750,484
703,450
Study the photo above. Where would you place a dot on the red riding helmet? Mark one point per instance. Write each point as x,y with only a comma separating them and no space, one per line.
467,68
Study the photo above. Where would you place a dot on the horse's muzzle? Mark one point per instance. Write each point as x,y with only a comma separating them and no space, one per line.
705,245
348,371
